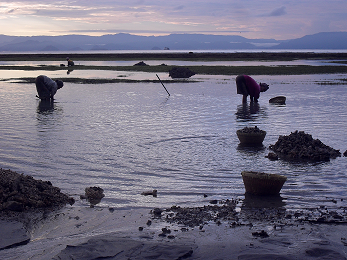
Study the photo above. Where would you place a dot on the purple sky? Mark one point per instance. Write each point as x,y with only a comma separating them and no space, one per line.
276,19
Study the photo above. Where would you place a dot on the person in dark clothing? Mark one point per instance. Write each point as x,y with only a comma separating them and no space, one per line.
247,86
46,87
69,62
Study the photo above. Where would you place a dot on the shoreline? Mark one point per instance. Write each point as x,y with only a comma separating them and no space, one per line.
237,56
256,227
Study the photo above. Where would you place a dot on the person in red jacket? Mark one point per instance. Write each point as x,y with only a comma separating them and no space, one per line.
247,86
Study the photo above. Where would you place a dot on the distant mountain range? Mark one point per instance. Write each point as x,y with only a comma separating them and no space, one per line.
123,41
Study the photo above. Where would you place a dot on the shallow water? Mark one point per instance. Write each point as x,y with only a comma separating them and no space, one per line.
128,138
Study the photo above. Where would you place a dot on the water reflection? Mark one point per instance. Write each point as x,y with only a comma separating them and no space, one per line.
270,207
45,106
249,111
48,113
249,149
69,71
254,201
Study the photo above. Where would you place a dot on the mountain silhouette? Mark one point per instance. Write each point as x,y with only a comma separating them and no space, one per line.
124,41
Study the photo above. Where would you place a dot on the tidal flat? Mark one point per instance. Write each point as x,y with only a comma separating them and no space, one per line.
130,137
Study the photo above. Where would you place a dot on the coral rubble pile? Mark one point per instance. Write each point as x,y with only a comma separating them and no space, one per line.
301,146
19,192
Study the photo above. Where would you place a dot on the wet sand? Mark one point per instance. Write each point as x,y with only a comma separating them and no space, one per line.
255,232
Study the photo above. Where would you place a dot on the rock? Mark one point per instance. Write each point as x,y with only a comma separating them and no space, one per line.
157,212
272,156
345,153
261,234
94,194
151,192
141,63
181,72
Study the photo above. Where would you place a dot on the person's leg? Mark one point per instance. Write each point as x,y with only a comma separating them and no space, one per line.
42,91
244,99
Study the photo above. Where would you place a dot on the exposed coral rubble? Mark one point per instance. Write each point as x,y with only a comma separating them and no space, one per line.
301,146
19,192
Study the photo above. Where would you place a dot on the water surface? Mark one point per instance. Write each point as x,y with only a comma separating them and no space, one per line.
131,137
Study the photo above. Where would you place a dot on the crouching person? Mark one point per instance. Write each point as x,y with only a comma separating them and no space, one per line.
46,87
247,86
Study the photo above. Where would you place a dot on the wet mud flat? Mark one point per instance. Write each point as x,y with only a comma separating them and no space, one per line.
256,227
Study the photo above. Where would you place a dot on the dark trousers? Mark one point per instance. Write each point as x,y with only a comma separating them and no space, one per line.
42,91
241,85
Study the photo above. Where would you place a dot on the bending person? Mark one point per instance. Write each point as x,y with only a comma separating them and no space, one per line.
247,86
70,62
46,87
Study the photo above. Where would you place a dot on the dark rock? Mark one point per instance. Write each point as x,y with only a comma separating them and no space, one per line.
141,63
157,212
272,156
94,194
261,234
345,153
181,72
154,193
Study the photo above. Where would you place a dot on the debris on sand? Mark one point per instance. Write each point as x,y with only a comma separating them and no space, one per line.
153,193
301,146
198,216
19,192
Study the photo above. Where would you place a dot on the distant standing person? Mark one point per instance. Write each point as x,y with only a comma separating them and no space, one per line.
247,86
69,62
46,87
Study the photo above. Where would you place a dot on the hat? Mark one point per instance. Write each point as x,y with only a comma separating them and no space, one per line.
59,83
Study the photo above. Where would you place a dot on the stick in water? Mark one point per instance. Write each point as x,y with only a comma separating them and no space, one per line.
163,84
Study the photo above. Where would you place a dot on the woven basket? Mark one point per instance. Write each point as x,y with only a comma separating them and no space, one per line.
251,138
259,183
278,100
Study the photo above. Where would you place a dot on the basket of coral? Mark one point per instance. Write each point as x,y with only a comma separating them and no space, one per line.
251,136
260,183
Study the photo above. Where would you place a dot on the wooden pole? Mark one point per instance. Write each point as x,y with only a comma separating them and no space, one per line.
163,84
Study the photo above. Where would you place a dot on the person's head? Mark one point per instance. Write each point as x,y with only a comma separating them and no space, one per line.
60,84
263,87
67,58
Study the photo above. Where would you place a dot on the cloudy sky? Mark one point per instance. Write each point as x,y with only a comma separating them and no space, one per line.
277,19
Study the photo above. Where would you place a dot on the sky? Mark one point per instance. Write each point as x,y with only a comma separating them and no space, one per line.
275,19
